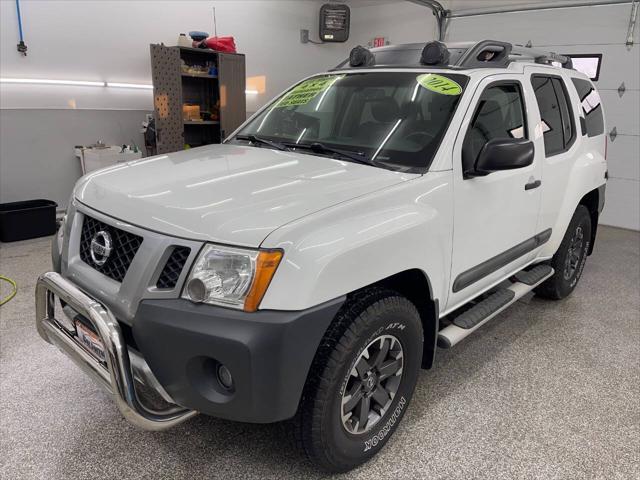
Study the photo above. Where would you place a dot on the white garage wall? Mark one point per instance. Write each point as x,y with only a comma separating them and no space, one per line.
593,29
109,41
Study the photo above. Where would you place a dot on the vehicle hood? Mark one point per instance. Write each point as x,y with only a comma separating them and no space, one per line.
227,193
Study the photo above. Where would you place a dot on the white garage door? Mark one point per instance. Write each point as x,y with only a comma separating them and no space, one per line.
594,29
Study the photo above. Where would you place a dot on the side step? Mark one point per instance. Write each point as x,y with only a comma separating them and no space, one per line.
470,320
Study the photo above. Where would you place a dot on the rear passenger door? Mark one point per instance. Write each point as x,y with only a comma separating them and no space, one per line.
495,217
556,134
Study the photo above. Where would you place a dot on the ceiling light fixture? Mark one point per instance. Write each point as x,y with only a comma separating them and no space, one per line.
48,81
142,86
86,83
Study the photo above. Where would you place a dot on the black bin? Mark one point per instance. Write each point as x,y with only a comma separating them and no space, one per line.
29,219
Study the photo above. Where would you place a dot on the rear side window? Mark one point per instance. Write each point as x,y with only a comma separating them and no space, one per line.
555,112
499,115
591,106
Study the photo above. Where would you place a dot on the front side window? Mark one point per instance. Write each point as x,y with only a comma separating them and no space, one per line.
394,120
591,106
499,114
555,114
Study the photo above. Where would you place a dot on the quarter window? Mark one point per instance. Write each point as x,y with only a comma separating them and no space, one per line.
555,114
499,115
591,106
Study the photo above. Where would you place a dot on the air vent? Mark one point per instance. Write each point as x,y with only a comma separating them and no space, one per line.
173,268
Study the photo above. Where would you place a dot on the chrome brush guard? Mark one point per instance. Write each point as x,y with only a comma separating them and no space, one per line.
117,377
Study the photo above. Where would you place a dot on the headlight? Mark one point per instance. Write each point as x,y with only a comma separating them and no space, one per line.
232,277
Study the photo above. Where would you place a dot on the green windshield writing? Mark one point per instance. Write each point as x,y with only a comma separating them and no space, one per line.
439,84
307,91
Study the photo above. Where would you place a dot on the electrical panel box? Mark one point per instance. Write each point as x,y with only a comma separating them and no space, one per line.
334,22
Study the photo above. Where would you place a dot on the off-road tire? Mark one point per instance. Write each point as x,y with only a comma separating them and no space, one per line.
318,427
565,279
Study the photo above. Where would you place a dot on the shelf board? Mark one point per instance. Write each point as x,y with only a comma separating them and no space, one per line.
198,75
201,122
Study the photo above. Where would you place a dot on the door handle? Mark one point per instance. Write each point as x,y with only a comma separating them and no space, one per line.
532,184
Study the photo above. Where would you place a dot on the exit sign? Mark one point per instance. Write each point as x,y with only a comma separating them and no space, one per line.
379,42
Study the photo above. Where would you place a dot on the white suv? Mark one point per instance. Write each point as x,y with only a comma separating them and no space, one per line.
306,269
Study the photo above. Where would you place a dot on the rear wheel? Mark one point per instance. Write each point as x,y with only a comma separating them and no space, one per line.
569,260
361,380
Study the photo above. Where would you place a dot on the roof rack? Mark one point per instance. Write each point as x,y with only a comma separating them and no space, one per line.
495,54
527,53
464,55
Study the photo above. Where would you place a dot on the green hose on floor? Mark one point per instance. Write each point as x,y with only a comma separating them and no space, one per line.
12,294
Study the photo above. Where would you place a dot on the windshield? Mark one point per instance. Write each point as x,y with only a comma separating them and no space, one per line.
390,119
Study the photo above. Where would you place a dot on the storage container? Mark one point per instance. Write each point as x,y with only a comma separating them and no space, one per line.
28,219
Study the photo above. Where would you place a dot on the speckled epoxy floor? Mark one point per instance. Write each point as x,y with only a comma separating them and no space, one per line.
547,390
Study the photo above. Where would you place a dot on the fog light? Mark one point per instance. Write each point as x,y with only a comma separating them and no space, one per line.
200,287
224,377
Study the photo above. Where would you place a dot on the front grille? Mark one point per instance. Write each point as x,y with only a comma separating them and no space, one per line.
124,247
172,269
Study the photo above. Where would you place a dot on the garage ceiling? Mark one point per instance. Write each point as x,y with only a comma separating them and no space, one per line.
475,4
458,5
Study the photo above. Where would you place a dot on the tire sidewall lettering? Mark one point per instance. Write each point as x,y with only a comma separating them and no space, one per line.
384,431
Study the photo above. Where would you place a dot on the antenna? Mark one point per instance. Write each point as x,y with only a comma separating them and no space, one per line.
215,27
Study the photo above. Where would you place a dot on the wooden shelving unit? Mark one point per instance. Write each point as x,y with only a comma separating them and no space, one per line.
198,75
201,122
220,97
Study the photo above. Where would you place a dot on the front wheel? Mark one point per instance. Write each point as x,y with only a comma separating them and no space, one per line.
569,260
361,380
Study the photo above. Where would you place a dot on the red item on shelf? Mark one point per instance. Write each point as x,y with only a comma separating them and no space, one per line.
221,44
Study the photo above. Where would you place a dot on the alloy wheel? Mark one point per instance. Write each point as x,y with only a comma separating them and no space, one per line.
574,253
372,384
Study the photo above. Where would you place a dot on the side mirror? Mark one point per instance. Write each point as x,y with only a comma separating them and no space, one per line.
503,154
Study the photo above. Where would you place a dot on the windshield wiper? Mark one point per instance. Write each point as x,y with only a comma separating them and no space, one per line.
255,139
322,148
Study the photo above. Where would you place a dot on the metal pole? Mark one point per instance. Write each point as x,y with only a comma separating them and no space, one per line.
438,11
529,8
632,24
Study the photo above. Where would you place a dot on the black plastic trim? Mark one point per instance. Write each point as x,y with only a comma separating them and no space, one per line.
533,185
487,267
533,276
483,309
501,59
601,194
268,353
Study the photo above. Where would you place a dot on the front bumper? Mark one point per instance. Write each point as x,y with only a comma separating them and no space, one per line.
116,375
268,353
182,344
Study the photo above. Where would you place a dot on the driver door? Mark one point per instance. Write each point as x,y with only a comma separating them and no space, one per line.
495,215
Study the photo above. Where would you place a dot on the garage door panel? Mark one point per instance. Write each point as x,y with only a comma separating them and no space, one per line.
618,64
588,25
622,207
623,157
622,113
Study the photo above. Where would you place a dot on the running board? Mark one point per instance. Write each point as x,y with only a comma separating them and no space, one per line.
470,320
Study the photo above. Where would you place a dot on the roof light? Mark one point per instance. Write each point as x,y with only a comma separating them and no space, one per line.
435,53
361,57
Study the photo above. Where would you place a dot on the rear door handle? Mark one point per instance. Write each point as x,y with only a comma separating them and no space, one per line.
532,185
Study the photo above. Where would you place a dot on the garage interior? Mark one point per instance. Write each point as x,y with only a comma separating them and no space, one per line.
547,390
